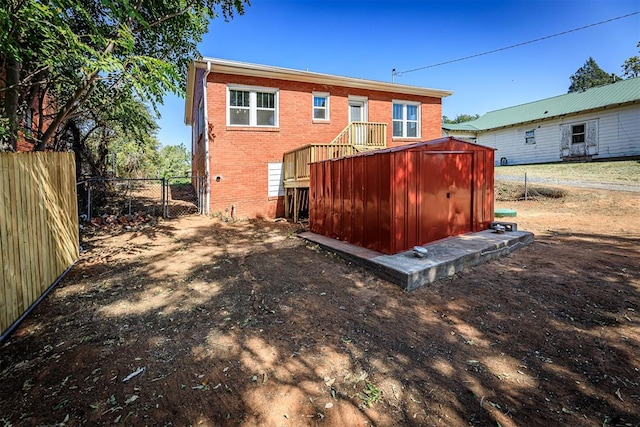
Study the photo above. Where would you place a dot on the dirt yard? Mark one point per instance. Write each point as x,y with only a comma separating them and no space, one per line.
200,322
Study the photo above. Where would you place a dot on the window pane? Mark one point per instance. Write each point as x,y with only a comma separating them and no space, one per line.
265,100
397,112
266,118
319,101
239,116
319,113
412,129
238,98
397,128
412,112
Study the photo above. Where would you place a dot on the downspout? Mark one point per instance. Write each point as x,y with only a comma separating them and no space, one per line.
207,166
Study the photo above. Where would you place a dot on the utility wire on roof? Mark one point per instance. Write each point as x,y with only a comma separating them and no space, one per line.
395,73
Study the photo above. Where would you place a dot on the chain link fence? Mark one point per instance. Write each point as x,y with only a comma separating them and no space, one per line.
116,197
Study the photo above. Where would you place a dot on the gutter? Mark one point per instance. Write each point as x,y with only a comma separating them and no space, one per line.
207,155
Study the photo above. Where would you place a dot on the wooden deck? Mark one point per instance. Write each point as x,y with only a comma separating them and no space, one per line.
355,138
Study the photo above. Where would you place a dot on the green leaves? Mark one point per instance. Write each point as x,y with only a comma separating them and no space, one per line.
67,48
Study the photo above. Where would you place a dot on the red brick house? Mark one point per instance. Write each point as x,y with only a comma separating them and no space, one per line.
255,128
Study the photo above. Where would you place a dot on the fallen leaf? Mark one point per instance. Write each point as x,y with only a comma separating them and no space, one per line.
619,394
131,399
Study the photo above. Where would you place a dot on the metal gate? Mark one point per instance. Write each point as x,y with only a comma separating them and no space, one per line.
116,197
181,194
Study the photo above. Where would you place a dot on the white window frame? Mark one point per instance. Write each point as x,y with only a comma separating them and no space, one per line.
404,118
583,133
253,106
530,136
326,108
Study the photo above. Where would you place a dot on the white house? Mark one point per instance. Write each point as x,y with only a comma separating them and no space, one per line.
600,123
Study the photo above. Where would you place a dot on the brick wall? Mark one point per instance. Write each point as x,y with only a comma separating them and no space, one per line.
239,156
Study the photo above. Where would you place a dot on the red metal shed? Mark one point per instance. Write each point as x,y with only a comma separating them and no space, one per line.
394,199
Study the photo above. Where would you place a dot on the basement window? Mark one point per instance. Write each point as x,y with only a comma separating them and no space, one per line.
530,137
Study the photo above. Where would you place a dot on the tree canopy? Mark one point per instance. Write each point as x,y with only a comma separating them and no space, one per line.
631,67
589,75
460,118
65,59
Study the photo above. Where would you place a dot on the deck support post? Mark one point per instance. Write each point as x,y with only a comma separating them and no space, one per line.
296,201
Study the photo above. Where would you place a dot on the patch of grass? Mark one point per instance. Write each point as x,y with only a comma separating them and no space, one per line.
510,191
620,172
370,395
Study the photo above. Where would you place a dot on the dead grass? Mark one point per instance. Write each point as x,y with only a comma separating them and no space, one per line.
620,172
510,191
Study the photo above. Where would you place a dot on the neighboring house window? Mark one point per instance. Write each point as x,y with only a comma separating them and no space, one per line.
406,119
577,134
252,107
320,106
530,137
201,117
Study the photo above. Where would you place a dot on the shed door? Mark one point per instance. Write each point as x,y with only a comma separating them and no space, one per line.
445,195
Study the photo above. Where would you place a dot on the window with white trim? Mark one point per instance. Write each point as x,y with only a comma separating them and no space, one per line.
248,106
320,106
406,119
530,136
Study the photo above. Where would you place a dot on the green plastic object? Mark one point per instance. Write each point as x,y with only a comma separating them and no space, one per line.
502,213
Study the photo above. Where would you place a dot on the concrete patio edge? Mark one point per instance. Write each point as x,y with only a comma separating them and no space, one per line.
445,257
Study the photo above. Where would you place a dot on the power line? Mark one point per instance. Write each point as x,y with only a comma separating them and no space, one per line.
395,73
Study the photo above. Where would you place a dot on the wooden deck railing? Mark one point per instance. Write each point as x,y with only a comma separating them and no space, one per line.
356,137
363,134
296,162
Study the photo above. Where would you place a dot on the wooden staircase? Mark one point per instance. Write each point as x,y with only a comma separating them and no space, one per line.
355,138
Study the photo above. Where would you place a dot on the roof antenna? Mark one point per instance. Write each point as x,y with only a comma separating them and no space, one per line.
393,75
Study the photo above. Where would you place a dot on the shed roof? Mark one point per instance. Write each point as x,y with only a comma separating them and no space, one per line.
447,143
226,66
616,94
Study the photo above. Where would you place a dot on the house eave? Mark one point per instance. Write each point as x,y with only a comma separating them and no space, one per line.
559,116
188,102
255,70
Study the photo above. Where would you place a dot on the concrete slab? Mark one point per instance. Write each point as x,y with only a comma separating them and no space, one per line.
444,258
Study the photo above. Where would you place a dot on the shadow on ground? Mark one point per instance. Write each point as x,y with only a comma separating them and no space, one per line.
247,324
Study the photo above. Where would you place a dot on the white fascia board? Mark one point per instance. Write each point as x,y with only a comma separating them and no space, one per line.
188,100
255,70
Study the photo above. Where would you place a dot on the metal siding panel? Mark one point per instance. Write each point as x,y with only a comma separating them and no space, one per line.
434,208
399,173
371,206
358,201
336,200
315,198
414,198
460,193
347,199
385,210
327,199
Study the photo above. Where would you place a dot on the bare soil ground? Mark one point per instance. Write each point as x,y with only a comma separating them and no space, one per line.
196,321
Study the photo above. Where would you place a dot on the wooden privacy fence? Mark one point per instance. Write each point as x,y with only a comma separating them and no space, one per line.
38,228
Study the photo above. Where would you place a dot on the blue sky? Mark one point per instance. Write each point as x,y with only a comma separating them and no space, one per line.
367,39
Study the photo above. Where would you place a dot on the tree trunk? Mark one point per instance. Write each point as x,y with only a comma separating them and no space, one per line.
11,97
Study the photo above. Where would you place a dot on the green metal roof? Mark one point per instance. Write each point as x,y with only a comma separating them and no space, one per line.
618,93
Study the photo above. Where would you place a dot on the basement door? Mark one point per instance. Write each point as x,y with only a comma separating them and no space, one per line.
445,195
